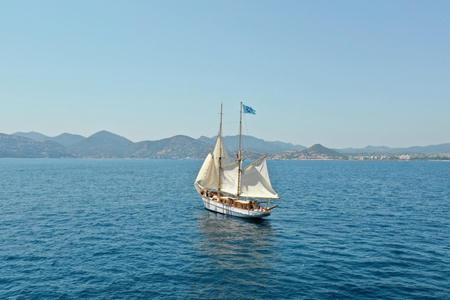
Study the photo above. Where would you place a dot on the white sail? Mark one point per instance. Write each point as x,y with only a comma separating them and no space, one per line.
255,181
220,151
208,176
229,178
204,170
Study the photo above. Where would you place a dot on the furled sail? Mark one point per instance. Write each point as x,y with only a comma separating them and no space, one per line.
255,182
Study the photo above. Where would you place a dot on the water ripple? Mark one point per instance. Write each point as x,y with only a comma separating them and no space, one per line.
115,229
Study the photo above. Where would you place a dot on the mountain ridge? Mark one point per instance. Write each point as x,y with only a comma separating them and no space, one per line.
23,147
178,146
102,144
105,144
65,139
316,151
429,149
36,136
253,144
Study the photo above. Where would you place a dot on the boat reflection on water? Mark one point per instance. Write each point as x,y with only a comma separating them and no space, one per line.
238,254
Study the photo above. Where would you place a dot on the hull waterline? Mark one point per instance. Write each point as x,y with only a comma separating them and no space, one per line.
233,211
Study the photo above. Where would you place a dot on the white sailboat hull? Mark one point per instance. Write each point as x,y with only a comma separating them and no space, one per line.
233,211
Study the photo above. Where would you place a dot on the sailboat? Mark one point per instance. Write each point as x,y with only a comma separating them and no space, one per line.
229,188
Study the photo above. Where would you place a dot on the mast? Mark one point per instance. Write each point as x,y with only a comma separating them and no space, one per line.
220,154
239,155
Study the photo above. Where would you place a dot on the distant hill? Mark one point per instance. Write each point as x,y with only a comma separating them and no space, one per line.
103,144
254,144
19,146
248,155
316,151
35,136
65,139
179,146
431,149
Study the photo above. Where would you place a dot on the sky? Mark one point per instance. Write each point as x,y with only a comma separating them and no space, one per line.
339,73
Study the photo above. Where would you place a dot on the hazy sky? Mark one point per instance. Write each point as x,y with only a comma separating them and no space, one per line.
340,73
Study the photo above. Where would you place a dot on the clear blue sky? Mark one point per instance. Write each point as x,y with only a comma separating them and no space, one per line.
340,73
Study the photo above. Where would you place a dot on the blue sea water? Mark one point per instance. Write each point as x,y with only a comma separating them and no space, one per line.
136,229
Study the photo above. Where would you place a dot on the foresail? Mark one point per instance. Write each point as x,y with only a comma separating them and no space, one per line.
255,182
210,180
203,173
208,176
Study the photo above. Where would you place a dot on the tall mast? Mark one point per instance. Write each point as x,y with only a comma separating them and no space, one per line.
239,155
220,154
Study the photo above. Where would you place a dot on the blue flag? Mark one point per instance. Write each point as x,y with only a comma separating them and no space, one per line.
248,110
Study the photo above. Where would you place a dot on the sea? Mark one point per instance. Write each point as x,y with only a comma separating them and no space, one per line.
136,229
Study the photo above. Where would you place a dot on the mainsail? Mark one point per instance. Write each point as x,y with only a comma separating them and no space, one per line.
255,181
